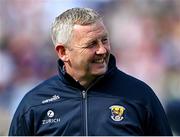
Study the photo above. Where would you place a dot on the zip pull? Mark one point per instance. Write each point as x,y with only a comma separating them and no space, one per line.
85,115
84,94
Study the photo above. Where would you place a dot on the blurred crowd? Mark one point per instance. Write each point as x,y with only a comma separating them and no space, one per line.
145,38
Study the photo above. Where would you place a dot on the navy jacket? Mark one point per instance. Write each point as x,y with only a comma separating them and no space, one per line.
115,104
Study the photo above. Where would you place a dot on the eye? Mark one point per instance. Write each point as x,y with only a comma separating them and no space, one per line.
105,40
92,44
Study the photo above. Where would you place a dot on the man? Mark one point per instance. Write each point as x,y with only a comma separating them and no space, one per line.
89,96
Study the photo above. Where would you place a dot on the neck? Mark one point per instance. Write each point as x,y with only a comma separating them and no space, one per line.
84,80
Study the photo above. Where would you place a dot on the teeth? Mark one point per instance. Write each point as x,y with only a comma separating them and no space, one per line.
99,61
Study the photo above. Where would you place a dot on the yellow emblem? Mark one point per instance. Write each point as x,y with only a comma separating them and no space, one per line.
117,112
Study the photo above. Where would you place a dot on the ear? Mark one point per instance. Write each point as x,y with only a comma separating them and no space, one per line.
62,53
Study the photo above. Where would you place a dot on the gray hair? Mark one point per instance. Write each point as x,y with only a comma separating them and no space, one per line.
62,27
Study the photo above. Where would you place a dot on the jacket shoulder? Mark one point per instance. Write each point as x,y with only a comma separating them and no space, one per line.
130,85
43,90
22,119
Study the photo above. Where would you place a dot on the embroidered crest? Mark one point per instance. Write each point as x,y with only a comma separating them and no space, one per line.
117,112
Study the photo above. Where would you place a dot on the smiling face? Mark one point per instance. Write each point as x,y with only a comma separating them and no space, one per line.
88,52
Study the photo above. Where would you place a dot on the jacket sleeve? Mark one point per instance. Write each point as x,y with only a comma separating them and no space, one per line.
157,124
21,122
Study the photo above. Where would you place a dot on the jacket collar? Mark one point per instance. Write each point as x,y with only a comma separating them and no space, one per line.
67,79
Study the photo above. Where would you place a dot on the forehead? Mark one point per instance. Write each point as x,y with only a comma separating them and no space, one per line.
91,31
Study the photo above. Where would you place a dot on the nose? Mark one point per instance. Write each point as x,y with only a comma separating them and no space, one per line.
101,49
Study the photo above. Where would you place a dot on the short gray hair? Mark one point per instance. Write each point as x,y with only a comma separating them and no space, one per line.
62,27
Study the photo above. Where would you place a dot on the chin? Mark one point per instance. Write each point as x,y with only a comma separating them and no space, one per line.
100,72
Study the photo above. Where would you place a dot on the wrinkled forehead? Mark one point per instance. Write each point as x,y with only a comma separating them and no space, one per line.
97,29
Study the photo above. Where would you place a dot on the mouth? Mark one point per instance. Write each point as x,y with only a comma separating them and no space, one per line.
99,60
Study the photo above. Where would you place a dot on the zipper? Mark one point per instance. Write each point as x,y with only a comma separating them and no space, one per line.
84,95
85,116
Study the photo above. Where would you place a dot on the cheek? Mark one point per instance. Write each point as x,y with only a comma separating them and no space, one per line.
108,48
79,59
87,54
82,58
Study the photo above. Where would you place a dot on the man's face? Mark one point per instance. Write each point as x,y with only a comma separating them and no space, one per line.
89,50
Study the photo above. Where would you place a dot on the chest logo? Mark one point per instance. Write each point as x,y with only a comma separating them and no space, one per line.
50,113
117,112
53,98
51,118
